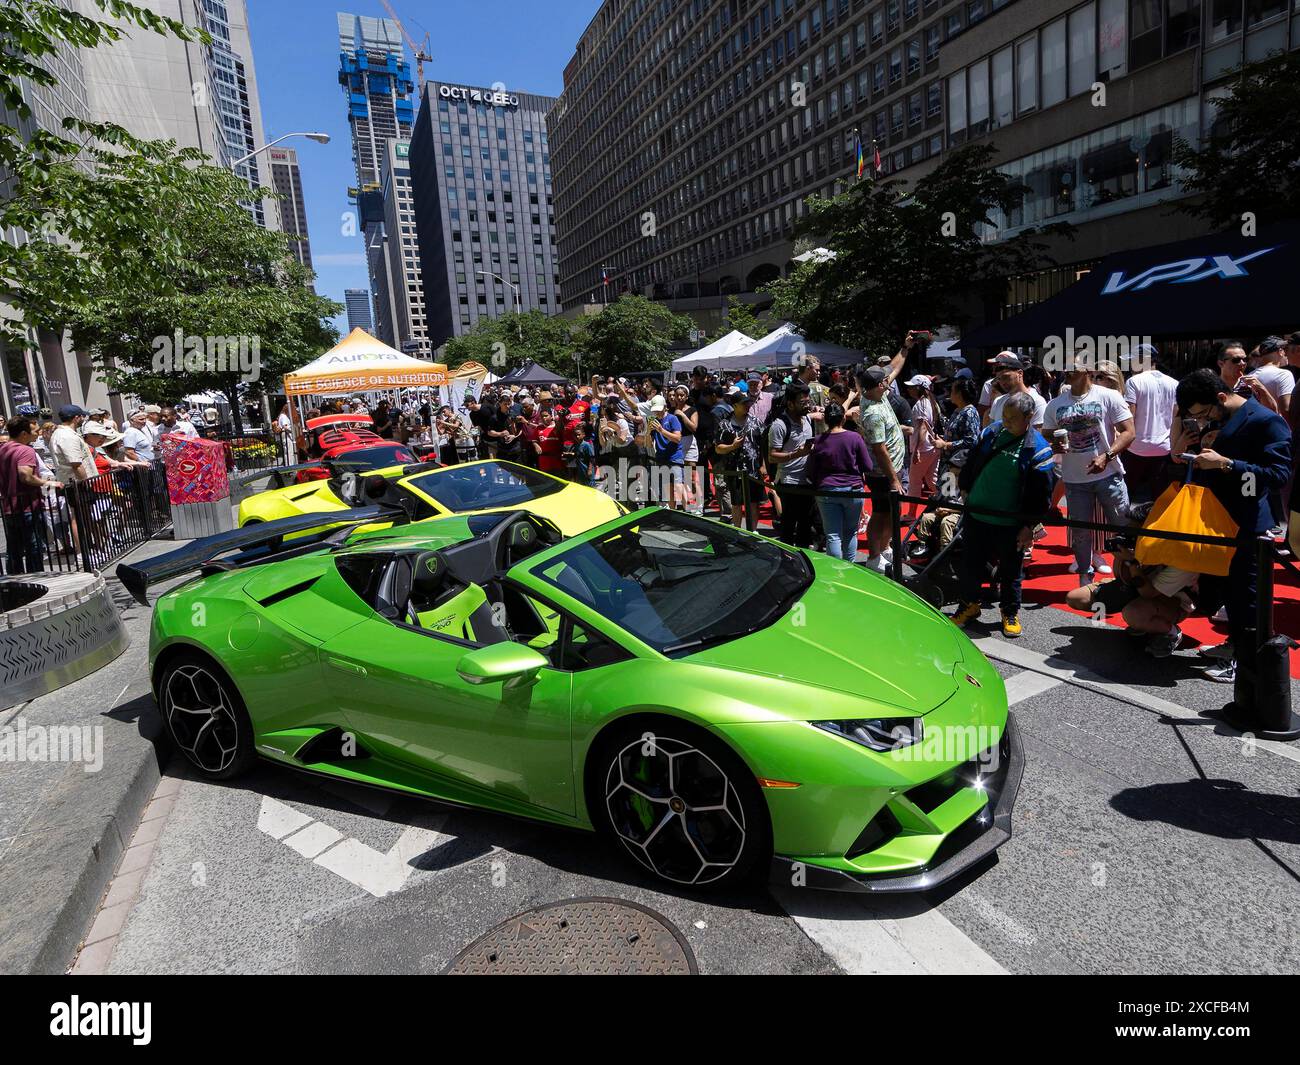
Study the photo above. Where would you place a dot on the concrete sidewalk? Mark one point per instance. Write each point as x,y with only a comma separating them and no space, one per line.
65,824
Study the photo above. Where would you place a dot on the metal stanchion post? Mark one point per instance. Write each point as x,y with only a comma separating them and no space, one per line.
896,536
1271,659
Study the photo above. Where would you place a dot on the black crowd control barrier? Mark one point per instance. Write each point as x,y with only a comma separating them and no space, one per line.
1261,702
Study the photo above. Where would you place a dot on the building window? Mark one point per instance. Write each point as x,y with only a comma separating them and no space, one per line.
1003,88
1083,49
1146,32
1112,43
1053,63
957,109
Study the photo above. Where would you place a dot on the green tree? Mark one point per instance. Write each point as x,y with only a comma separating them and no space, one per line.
905,257
1248,161
188,261
508,342
741,318
30,200
632,333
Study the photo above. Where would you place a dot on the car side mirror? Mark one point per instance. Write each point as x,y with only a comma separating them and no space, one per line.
512,663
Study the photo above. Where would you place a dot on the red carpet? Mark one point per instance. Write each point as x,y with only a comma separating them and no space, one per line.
1048,578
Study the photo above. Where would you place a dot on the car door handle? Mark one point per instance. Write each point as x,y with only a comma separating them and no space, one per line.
346,666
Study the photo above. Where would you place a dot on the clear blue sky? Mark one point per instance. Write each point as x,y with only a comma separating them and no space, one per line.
295,49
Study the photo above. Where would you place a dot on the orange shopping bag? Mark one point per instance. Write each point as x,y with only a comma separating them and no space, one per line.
1193,509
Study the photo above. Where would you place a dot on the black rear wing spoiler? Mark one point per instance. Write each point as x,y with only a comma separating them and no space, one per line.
138,577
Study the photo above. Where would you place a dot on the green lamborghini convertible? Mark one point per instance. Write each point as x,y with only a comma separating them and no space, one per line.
708,698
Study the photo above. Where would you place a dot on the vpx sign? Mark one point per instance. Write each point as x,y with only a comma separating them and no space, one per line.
1183,272
478,96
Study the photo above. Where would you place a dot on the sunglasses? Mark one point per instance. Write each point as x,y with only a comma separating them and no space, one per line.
1241,359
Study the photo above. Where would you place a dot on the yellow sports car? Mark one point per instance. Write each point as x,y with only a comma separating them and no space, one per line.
427,490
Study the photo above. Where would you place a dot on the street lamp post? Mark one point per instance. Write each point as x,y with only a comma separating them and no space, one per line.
319,138
514,289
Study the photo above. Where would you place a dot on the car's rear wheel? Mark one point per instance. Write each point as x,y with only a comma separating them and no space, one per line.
680,802
206,717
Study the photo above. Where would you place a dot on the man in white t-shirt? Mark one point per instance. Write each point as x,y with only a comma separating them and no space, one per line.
1009,376
1150,399
1271,372
174,425
72,457
1099,428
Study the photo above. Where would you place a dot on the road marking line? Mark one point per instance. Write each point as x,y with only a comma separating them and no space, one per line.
378,872
1027,684
278,820
1001,651
312,840
876,936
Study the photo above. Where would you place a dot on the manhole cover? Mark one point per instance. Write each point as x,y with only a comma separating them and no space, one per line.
581,936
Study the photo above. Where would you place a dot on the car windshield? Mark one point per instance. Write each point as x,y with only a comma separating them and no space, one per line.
483,485
679,583
376,458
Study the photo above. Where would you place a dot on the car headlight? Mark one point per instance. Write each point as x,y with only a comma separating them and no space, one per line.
877,733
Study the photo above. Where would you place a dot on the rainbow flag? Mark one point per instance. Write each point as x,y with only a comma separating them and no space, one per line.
861,155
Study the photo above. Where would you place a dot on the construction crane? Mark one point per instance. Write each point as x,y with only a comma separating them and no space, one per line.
421,51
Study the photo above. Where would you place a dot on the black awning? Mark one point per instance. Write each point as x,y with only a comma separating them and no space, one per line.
1214,286
532,373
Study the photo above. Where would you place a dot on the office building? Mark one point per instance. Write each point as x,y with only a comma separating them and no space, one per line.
357,302
687,140
157,86
54,374
481,180
376,81
286,180
402,246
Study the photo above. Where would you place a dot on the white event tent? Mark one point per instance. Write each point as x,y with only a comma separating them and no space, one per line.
711,355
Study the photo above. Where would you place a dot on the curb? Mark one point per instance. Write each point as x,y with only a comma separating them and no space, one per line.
56,872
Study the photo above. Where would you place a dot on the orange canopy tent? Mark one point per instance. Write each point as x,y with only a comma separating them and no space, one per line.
360,363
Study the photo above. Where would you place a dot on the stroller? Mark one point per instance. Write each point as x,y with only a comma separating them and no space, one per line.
935,575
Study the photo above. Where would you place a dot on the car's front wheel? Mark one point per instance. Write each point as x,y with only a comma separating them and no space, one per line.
680,802
206,717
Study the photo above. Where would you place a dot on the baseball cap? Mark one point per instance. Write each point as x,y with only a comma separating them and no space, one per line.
965,372
658,404
152,408
110,435
71,410
874,377
919,381
1006,360
738,395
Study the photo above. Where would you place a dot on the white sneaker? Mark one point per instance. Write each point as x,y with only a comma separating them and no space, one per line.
1099,565
1220,652
875,563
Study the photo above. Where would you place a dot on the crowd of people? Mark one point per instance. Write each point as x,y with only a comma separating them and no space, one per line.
58,480
819,451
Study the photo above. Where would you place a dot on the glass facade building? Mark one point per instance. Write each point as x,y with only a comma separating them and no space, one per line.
689,135
481,177
376,82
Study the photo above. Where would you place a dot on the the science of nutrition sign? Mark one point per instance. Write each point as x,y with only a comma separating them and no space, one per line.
491,97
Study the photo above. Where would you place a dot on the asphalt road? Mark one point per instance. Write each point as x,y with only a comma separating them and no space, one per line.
1146,840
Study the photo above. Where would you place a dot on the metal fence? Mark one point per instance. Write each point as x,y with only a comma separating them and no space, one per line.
88,524
256,448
